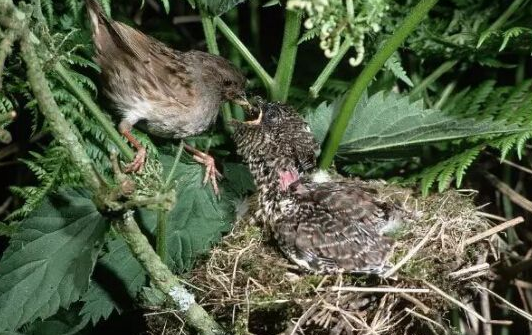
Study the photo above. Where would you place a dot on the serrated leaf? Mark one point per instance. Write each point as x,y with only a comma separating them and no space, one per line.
198,219
388,122
119,267
50,258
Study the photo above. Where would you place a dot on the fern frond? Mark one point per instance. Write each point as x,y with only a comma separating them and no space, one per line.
51,170
309,34
445,171
394,65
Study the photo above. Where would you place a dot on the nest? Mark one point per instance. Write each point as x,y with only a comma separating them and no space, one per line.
440,259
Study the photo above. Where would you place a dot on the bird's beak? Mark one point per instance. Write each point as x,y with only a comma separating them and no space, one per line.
257,121
242,100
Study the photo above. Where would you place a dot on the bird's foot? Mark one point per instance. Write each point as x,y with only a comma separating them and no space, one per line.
211,173
138,162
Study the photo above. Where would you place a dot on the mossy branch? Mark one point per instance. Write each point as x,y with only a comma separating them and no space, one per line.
164,280
337,130
60,127
8,38
195,316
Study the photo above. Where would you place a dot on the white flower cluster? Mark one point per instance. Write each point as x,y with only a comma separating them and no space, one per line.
338,20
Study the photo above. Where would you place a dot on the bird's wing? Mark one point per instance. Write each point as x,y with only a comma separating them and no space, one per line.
155,67
335,229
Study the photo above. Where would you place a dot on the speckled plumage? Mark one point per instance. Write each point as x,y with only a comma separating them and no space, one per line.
323,225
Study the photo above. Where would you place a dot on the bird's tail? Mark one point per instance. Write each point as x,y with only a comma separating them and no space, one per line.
100,23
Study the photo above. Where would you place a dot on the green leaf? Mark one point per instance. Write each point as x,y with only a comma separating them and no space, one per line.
166,5
238,178
391,122
119,266
50,258
218,7
198,219
394,65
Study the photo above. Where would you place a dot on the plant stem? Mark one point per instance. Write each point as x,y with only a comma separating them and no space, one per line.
58,124
339,126
506,15
210,34
160,242
444,96
210,38
162,215
96,112
287,58
315,89
441,70
194,315
266,79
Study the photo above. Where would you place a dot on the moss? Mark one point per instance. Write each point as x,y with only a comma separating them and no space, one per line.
248,274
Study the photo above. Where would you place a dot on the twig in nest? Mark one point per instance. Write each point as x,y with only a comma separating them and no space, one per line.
411,253
515,197
376,289
468,309
494,230
486,312
426,309
475,268
504,301
302,319
423,317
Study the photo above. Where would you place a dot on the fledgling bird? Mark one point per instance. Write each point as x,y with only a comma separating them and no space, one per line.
172,94
322,225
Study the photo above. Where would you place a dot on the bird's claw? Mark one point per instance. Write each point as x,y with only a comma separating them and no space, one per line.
138,162
211,172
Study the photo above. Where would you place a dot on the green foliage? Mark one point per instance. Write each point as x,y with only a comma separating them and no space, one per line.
52,170
198,218
121,267
216,7
509,104
445,171
50,258
388,122
394,65
335,21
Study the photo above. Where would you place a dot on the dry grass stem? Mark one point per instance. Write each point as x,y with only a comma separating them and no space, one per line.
495,230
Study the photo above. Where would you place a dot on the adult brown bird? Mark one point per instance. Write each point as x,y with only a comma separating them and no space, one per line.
172,94
323,224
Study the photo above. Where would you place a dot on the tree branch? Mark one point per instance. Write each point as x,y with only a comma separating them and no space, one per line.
60,127
164,280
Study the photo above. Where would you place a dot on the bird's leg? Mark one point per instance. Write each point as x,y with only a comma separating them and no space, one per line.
140,157
211,173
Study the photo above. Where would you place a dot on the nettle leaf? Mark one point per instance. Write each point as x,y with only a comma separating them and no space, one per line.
390,122
198,219
50,258
218,7
117,266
